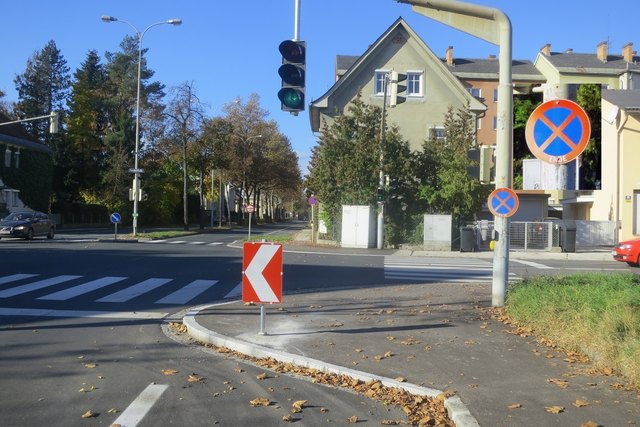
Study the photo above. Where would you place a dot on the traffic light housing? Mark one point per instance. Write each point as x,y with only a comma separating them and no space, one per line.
292,73
397,91
380,194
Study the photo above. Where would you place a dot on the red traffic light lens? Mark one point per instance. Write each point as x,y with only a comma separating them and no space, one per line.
292,51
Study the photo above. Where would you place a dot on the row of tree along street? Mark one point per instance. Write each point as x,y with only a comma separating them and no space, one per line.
185,155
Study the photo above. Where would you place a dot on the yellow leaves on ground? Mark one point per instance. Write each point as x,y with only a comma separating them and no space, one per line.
554,409
169,371
562,383
580,403
260,401
90,365
352,420
89,414
178,327
515,406
193,378
297,406
262,376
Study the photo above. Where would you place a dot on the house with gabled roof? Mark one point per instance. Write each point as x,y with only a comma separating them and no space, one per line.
25,167
564,73
430,87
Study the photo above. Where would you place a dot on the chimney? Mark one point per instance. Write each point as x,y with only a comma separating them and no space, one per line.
602,51
546,49
627,52
449,56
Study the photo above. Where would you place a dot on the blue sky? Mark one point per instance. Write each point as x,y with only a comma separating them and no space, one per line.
229,49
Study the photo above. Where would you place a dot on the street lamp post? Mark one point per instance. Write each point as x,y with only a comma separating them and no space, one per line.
136,179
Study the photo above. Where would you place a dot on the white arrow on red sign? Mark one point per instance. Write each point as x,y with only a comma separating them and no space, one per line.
262,272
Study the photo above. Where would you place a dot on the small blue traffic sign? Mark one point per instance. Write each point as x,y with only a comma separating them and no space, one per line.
558,131
115,218
503,202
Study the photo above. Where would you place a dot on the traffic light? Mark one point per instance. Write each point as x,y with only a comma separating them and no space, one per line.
380,194
397,90
292,73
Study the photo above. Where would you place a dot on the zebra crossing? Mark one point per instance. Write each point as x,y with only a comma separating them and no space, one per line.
107,291
453,270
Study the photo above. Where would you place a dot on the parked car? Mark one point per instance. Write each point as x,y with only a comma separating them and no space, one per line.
27,225
628,251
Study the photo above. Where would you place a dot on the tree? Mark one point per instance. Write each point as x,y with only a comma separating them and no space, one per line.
589,97
523,107
86,124
42,88
445,184
185,117
345,165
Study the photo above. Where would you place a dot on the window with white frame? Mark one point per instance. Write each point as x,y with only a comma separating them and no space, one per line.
378,84
414,83
437,133
475,92
478,123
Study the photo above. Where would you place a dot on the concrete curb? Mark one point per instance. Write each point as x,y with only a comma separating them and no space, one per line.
458,412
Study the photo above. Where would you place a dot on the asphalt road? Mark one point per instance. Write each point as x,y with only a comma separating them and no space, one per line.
81,321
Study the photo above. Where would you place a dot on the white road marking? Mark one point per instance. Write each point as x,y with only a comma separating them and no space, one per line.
34,286
15,277
235,292
37,312
533,264
84,288
139,407
133,291
187,293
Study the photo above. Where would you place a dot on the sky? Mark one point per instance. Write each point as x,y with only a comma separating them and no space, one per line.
229,49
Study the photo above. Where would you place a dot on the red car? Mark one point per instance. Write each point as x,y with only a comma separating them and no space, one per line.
628,251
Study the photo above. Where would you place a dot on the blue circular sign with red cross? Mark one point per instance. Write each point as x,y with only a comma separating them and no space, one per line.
558,131
503,202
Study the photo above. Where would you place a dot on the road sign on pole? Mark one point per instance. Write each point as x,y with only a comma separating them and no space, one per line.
503,202
558,131
262,272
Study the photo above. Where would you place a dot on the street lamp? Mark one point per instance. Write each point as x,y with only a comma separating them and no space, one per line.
136,170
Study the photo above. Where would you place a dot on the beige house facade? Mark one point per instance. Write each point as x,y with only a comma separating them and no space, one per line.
619,198
430,87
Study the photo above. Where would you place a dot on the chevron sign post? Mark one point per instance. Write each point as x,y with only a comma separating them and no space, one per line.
262,272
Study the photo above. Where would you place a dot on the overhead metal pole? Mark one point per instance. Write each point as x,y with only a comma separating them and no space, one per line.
493,26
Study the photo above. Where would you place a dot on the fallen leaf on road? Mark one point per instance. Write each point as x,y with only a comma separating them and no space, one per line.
514,406
287,418
353,419
554,409
590,424
169,371
193,378
90,365
262,376
297,406
401,379
260,401
562,383
89,414
580,403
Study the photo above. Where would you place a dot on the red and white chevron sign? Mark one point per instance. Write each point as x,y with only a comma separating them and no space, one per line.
261,272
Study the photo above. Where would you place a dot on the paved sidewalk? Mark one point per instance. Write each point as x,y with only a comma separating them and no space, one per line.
437,336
